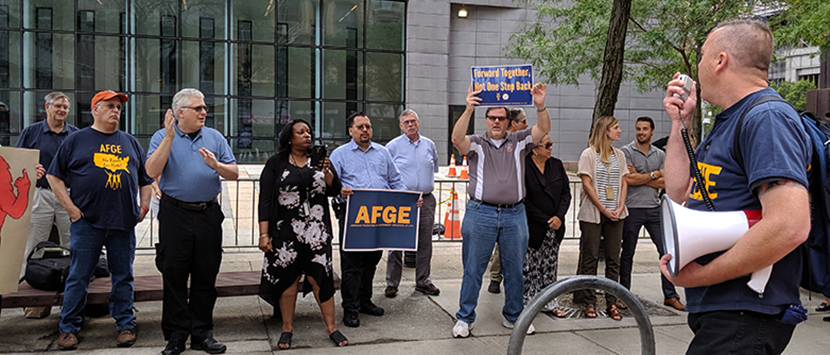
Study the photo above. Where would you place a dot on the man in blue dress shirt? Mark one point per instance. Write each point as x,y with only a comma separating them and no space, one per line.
366,165
189,159
46,136
417,160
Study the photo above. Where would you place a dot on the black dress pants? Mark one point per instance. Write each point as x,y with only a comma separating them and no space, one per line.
190,245
358,273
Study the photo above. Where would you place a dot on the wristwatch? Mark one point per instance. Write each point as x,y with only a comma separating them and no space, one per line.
652,175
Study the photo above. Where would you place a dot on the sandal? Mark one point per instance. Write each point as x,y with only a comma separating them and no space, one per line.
338,338
557,312
823,307
614,312
621,305
590,311
285,338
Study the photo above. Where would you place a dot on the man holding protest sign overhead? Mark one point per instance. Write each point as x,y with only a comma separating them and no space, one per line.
495,212
367,165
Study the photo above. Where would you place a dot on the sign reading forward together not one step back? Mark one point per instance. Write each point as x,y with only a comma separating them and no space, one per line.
504,85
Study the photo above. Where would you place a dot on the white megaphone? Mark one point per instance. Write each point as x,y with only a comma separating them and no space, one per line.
689,234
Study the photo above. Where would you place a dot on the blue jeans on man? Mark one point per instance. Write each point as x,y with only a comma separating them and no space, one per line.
482,227
85,248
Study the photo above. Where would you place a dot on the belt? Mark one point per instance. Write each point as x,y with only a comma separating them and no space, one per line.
502,205
193,206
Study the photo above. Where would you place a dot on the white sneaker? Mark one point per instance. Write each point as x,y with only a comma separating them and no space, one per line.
510,325
461,329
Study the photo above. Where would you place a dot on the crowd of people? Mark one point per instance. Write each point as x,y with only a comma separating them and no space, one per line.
519,195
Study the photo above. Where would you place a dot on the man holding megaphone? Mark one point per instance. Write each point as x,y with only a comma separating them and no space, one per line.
725,314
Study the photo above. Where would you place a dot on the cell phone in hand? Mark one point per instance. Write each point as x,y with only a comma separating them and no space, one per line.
318,152
687,86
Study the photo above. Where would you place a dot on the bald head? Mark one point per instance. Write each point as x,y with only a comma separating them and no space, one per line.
748,42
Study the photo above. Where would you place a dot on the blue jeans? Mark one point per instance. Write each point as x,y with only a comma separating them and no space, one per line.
482,227
85,246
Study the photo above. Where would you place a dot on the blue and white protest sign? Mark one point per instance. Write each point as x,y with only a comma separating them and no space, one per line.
381,220
504,85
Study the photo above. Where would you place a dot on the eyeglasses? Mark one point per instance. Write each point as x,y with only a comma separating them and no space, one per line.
60,106
409,122
198,108
367,127
497,118
523,121
547,145
112,107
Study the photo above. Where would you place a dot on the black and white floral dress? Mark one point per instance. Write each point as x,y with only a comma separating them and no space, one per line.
294,201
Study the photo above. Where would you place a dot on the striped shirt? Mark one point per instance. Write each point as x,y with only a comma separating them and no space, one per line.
607,175
497,172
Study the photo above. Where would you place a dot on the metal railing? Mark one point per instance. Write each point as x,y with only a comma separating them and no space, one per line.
239,201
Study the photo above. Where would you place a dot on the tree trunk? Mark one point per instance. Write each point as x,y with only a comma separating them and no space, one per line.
612,66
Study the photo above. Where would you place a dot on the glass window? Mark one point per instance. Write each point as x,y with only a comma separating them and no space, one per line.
9,59
49,15
51,57
334,116
254,118
253,151
293,110
9,115
217,113
253,20
384,74
149,113
295,72
342,74
385,122
156,17
109,17
385,25
254,73
9,14
204,19
203,66
155,65
343,23
296,21
109,69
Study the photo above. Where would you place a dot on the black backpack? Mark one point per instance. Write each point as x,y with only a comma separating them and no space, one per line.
47,273
815,251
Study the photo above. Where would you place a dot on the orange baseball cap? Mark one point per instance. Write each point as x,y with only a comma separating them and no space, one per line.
106,95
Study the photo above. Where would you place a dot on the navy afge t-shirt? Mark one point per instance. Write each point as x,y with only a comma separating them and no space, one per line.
103,172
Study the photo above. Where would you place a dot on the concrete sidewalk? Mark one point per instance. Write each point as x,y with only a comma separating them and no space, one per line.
413,323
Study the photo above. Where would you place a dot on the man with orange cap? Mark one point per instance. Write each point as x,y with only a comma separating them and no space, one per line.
105,169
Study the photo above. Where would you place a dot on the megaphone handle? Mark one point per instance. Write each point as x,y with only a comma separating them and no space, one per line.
758,280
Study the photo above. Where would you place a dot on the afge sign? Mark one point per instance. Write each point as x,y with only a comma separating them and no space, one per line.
381,220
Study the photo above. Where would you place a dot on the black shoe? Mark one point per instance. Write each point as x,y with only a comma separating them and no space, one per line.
351,319
174,347
209,345
494,287
371,309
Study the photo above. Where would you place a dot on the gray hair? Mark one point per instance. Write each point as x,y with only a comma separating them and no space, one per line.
182,98
55,95
409,112
516,113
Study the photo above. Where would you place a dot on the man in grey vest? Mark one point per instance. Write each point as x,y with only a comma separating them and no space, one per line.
645,179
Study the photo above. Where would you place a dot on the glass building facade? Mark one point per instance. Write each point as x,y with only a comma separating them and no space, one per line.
260,63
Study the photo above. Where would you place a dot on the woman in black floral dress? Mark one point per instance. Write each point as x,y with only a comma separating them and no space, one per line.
295,230
548,199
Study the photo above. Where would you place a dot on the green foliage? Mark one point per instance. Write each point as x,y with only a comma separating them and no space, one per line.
795,92
804,21
664,37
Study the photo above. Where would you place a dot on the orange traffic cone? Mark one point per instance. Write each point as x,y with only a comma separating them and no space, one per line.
452,173
452,220
464,169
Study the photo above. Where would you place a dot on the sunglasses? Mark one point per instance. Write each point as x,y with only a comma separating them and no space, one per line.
496,118
547,145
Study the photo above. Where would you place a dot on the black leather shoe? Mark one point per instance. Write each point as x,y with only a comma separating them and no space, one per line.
351,319
174,347
209,345
371,309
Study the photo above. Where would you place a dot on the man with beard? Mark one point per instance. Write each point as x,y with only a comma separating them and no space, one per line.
645,179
